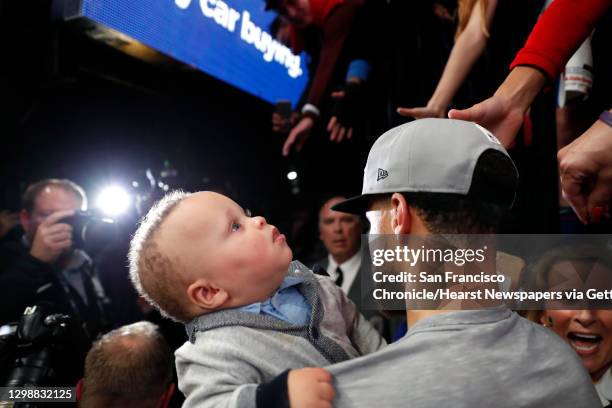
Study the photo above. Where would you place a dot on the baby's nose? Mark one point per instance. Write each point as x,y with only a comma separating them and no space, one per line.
259,221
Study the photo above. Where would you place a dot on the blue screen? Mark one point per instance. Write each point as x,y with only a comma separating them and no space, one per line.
227,39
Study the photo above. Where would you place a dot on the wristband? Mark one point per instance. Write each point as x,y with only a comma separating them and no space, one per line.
358,69
606,117
274,393
310,110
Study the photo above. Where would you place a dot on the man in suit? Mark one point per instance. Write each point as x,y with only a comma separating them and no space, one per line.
341,235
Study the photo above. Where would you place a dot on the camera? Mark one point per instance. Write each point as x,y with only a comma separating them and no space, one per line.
28,349
90,231
284,110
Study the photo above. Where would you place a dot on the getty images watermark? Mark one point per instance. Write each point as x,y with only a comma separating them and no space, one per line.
464,272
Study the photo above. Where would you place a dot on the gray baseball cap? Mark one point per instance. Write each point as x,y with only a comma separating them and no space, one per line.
428,155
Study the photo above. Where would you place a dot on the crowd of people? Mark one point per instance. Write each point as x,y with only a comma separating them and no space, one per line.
345,76
221,310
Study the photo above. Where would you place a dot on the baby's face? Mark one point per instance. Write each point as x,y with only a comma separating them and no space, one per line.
215,239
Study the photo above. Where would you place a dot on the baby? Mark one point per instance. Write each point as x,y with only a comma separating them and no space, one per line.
250,312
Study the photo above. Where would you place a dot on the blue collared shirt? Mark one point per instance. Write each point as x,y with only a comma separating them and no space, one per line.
288,304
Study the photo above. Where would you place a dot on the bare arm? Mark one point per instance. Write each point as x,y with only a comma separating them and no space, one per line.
560,30
468,48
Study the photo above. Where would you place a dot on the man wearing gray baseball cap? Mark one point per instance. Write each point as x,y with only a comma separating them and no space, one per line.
453,177
441,176
436,159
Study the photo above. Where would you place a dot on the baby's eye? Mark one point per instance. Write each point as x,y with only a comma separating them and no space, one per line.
235,226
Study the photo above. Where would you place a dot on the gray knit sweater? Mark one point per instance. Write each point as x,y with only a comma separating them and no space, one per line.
230,352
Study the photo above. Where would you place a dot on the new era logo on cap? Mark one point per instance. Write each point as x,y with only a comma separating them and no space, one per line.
382,174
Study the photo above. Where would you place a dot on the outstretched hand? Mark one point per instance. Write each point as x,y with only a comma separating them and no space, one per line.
585,167
421,112
496,114
298,135
338,132
503,113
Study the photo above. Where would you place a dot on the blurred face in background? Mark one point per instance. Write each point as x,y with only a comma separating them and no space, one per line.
283,32
587,331
340,232
296,11
51,199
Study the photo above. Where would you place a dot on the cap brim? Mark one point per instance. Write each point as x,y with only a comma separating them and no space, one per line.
354,205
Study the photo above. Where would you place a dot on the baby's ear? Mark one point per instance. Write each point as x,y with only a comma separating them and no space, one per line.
206,295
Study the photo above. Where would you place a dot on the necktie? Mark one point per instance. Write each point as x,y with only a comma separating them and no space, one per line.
339,276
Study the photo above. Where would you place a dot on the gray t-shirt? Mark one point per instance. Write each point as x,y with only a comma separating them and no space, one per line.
484,358
604,388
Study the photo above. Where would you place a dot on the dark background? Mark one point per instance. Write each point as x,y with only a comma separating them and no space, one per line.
74,107
77,108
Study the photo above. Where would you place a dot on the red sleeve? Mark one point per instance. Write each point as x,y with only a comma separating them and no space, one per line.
558,33
335,32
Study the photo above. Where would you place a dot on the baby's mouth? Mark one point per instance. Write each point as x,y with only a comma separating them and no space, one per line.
585,344
275,234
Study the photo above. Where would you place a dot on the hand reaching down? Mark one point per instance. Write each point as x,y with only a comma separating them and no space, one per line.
298,135
497,115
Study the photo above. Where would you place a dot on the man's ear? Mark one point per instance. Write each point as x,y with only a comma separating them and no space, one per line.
401,221
546,320
542,319
206,295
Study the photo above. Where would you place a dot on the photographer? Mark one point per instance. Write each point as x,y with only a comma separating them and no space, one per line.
44,268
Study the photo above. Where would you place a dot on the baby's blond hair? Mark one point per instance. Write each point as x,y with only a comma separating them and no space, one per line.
156,276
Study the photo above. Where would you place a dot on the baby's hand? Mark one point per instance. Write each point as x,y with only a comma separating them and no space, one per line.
310,388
